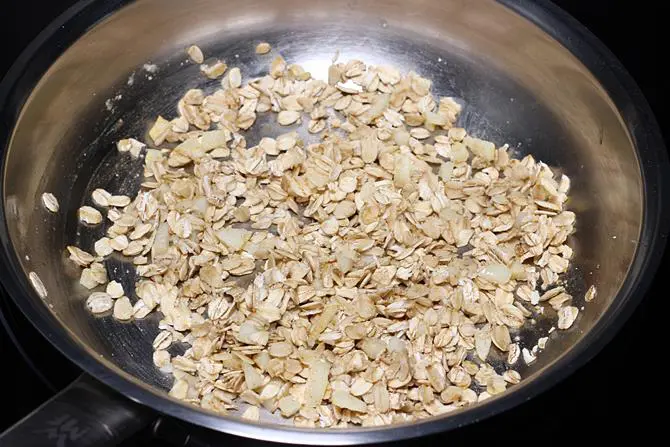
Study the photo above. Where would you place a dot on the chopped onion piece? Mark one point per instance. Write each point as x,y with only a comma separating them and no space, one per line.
497,273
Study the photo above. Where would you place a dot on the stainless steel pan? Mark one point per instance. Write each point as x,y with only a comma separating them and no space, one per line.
529,75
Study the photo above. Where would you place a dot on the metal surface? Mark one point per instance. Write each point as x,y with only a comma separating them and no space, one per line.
547,88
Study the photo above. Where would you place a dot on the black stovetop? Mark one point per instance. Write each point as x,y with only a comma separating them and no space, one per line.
602,399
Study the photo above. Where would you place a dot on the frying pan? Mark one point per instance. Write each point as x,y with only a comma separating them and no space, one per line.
528,74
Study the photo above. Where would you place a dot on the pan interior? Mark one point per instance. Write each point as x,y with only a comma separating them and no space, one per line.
519,86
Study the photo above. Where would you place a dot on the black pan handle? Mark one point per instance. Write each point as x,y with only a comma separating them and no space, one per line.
86,413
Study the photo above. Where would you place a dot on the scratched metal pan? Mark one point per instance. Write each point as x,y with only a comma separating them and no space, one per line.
528,74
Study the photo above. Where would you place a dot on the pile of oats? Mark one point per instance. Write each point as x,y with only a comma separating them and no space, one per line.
372,277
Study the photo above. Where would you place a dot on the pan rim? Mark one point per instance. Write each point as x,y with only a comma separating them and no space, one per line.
620,87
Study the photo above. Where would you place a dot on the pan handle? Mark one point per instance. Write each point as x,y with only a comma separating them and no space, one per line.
86,413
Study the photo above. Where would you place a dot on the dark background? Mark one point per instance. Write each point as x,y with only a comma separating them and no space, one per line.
615,393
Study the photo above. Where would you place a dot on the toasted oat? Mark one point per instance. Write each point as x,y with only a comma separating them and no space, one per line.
131,145
163,340
99,302
119,243
89,215
215,70
566,316
512,376
263,48
251,413
161,359
123,309
93,276
50,202
288,406
160,130
590,294
101,197
38,285
79,256
118,201
114,289
235,77
195,54
513,353
288,117
103,247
